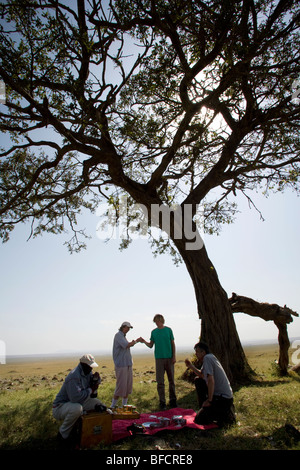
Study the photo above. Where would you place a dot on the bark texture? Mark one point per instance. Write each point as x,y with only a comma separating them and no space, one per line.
218,328
281,316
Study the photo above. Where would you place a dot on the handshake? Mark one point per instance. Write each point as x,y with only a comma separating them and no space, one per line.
140,340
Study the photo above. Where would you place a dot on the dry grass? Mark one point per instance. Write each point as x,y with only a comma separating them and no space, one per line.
27,390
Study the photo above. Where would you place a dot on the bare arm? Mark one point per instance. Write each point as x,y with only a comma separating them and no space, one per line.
193,368
149,344
210,388
173,351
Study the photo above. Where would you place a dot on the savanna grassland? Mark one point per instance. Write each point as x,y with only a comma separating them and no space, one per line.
267,410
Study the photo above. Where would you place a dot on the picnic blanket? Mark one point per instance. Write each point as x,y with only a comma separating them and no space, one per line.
119,426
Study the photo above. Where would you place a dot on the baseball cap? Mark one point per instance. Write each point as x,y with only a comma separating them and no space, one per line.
89,360
126,323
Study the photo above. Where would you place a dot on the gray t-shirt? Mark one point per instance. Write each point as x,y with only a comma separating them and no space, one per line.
121,353
211,366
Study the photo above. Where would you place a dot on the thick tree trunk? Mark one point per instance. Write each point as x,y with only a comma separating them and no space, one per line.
218,328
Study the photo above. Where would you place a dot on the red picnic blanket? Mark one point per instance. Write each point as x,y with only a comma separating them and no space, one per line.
119,426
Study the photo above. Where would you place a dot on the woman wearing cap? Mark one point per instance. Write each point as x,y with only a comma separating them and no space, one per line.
123,364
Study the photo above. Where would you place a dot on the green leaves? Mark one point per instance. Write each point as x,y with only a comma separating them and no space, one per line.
164,101
28,192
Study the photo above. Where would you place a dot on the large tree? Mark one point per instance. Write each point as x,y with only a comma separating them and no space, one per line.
175,104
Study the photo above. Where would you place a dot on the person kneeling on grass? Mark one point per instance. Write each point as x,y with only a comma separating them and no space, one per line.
213,389
77,394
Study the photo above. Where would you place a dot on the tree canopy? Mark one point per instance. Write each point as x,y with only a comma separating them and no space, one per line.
170,102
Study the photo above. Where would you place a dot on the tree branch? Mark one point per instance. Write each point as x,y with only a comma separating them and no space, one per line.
263,310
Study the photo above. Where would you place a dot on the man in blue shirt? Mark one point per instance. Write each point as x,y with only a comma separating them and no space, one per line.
77,394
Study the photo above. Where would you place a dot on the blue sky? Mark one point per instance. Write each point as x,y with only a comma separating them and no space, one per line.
54,302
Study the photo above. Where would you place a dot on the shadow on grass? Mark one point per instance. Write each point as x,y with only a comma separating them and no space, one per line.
260,381
191,440
29,427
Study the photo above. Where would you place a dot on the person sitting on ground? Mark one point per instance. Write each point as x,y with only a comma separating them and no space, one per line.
213,389
77,394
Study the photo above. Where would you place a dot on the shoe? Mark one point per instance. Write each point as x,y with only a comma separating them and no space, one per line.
173,404
162,405
59,437
62,442
65,444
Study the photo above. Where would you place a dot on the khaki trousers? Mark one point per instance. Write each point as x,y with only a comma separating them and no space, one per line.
70,412
124,378
162,366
